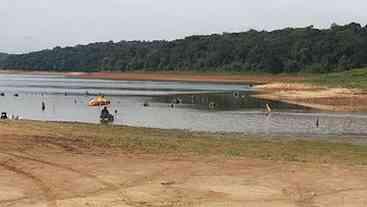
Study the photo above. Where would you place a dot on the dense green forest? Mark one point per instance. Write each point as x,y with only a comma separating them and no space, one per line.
307,49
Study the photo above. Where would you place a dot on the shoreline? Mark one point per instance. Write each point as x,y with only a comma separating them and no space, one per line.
275,136
94,131
186,77
316,97
285,136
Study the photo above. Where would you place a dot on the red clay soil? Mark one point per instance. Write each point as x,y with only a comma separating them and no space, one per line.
188,77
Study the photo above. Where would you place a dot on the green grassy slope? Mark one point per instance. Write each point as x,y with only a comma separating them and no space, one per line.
356,78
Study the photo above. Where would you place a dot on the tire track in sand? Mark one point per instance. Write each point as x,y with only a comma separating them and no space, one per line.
49,196
12,202
107,187
52,164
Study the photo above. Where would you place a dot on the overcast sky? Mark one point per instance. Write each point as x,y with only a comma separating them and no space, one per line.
28,25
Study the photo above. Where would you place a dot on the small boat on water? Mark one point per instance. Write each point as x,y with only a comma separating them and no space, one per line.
99,101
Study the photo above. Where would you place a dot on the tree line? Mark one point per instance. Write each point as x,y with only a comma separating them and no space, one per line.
338,48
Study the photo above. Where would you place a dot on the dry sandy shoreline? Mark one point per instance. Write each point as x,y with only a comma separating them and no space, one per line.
60,164
317,97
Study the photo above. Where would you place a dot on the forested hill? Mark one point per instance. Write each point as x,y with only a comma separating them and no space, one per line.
288,50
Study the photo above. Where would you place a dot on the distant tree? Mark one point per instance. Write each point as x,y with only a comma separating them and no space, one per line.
288,50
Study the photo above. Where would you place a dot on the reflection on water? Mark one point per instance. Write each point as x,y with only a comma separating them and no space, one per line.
195,106
225,101
59,85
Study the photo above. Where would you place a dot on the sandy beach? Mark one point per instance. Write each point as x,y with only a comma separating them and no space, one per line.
317,97
66,164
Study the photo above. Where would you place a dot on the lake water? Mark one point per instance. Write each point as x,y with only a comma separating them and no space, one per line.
234,109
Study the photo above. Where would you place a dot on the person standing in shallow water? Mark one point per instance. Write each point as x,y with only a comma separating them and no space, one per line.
317,122
104,112
43,106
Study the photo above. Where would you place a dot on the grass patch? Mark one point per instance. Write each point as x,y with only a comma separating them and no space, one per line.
356,78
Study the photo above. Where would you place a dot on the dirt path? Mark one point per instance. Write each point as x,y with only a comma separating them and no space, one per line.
42,171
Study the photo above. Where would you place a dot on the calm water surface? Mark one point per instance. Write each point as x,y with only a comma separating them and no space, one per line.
234,110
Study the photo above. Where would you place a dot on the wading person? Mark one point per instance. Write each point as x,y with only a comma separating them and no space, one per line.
317,122
43,106
104,112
